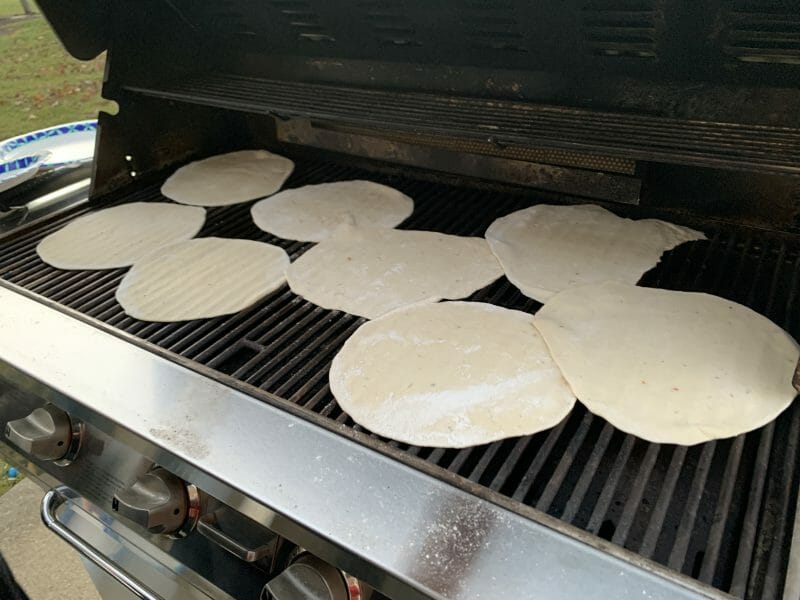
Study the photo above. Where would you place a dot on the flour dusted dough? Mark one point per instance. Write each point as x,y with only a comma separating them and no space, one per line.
228,178
119,236
313,213
669,367
451,375
369,271
545,249
201,278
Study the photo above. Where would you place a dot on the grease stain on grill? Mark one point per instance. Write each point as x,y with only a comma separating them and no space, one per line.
449,546
186,440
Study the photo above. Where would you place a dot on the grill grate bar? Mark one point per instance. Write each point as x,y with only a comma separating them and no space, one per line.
484,461
610,486
322,355
634,498
679,550
314,401
101,307
589,472
35,275
750,525
525,486
437,457
505,470
711,511
460,460
773,582
26,264
72,289
51,282
560,473
656,525
213,352
323,358
321,339
720,521
104,283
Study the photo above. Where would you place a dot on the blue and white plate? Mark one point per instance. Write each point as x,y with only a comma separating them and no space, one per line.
16,171
67,144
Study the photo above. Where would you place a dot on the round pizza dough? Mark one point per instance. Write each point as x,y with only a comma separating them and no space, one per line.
228,178
451,375
669,367
119,236
201,278
313,213
545,249
369,271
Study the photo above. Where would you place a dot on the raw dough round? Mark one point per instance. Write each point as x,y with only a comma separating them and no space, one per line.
669,367
369,271
545,249
201,278
451,375
313,213
119,236
228,178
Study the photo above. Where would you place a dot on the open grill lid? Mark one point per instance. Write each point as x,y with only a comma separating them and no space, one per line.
708,84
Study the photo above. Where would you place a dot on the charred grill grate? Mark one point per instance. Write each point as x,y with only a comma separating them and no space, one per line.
721,512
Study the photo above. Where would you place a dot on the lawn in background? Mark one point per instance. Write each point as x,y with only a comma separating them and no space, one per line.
13,7
40,83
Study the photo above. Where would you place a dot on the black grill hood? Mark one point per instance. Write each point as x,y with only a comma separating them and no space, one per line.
705,84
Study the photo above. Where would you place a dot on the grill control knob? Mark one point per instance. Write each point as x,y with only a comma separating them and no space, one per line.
311,578
158,501
46,433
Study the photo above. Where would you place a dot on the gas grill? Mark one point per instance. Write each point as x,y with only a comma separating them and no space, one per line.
475,110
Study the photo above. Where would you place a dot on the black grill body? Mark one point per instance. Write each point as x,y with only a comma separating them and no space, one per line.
475,109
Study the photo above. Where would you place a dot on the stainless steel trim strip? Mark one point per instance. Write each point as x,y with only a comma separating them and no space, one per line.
405,532
50,503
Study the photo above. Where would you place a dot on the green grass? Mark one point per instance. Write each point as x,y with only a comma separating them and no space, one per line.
42,84
12,7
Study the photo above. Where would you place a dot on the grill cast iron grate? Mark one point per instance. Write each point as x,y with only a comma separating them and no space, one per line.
721,512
